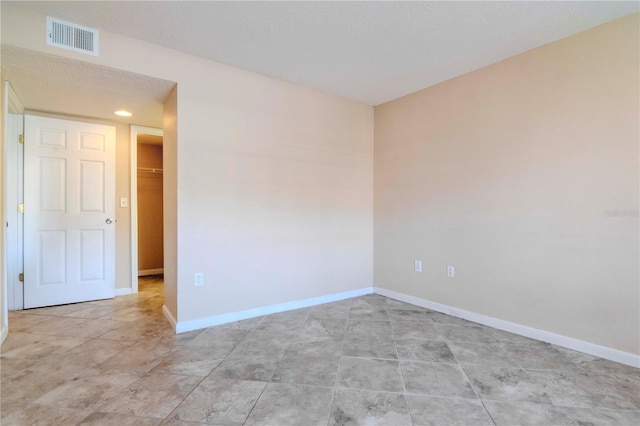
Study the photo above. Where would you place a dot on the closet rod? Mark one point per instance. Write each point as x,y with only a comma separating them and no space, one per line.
149,170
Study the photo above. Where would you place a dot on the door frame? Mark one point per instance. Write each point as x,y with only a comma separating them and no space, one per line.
133,205
13,295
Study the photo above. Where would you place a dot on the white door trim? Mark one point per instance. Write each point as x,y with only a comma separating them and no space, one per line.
13,171
133,205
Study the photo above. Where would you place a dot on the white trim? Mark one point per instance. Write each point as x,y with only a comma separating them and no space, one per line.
145,272
522,330
133,197
169,317
123,291
199,323
4,333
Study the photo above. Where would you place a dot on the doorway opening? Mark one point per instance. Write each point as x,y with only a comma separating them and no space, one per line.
147,257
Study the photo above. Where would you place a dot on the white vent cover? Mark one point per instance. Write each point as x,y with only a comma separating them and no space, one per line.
72,37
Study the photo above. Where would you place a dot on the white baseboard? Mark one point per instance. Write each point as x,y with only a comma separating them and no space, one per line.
123,291
4,333
522,330
169,316
199,323
145,272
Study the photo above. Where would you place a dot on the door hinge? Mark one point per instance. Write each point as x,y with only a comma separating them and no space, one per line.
21,208
21,138
21,277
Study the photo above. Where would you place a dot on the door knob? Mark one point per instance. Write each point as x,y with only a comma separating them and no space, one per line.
109,221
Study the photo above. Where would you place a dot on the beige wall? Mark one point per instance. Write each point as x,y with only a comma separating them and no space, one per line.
3,278
150,221
170,201
507,173
273,181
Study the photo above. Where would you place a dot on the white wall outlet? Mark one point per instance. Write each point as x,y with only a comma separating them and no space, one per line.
198,279
124,202
417,266
451,271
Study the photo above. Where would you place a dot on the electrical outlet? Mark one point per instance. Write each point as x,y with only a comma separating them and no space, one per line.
417,266
451,271
198,279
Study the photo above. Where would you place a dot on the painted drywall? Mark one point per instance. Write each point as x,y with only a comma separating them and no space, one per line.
274,182
4,327
524,176
150,222
170,202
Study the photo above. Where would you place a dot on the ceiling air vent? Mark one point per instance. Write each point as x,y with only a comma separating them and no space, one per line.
72,37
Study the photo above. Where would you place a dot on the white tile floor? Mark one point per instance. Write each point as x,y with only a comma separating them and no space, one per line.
368,360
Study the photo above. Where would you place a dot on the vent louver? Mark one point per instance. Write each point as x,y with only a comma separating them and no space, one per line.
72,37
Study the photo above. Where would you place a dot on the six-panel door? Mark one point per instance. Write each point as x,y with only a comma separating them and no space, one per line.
69,212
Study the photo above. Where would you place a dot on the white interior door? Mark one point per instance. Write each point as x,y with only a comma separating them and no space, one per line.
69,212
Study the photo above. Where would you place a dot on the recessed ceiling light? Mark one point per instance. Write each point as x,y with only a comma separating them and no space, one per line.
123,113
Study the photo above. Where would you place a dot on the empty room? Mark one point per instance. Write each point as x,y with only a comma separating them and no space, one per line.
320,213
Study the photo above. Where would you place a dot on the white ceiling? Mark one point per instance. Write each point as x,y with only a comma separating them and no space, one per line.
49,83
371,52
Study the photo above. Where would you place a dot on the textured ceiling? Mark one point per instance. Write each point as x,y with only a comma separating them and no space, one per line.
367,51
49,83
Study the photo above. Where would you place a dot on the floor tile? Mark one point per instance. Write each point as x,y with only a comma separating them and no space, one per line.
220,341
424,350
87,393
364,328
351,407
96,351
404,329
432,411
506,384
223,402
45,376
459,333
408,315
539,357
444,319
491,354
281,323
188,361
256,357
363,314
323,328
11,366
370,347
138,358
579,389
20,322
369,374
118,419
285,404
526,413
590,416
37,414
154,395
35,346
435,379
331,310
248,324
334,363
260,367
318,370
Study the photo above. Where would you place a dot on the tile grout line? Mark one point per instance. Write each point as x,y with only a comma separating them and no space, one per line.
335,381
